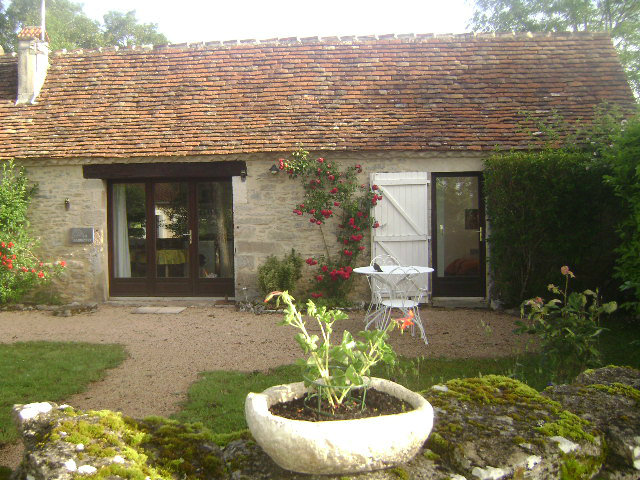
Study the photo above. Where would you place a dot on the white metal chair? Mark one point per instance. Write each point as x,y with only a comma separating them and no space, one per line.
405,289
378,289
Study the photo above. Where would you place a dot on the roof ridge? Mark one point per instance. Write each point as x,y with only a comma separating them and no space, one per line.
341,39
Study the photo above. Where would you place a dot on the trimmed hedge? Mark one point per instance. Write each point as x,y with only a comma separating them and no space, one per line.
547,209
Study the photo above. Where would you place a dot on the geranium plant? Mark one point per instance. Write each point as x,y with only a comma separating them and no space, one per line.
333,371
568,327
332,192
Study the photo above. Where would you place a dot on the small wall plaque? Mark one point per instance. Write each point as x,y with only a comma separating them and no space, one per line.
82,235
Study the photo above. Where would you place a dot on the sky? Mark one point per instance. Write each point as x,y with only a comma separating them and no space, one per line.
208,20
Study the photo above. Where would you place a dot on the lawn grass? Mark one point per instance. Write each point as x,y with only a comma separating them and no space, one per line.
48,371
217,399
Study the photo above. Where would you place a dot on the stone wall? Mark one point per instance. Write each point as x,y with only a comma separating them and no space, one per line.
489,428
263,222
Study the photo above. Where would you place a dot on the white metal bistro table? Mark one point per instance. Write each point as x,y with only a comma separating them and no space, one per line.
395,286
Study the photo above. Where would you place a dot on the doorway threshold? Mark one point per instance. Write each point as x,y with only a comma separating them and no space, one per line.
171,301
460,302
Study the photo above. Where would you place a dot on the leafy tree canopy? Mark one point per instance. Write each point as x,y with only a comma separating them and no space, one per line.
69,27
620,18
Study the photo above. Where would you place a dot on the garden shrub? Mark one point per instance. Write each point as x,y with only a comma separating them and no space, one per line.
280,275
624,158
568,327
20,270
549,208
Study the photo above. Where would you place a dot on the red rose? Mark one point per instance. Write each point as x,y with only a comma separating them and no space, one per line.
324,268
336,204
10,244
376,225
361,247
374,187
319,278
334,190
332,178
316,295
321,160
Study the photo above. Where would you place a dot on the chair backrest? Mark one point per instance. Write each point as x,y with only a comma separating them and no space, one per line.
385,260
408,283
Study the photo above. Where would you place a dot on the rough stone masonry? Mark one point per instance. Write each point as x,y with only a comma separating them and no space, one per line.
488,428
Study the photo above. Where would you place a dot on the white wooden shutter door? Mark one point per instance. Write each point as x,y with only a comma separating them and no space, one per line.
404,217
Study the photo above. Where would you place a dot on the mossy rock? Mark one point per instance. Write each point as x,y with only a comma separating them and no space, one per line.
498,427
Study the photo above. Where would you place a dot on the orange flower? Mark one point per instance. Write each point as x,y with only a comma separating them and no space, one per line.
406,321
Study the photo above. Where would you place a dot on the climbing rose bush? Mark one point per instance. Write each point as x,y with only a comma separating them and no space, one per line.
333,192
21,271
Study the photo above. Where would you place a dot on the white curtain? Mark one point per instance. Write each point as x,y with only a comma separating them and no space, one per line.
122,260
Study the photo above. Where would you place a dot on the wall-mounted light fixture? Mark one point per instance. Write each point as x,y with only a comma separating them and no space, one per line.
274,169
67,204
243,175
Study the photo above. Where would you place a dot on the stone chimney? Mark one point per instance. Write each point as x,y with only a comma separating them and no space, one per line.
33,62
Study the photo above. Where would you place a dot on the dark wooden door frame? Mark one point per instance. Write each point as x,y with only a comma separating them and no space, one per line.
459,286
151,285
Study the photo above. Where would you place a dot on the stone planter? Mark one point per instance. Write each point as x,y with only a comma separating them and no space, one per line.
342,446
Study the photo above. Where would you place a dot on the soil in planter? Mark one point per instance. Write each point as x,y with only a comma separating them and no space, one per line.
377,403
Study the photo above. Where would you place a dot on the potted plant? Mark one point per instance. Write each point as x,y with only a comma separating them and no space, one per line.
336,386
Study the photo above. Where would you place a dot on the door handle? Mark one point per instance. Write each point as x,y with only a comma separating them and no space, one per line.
188,235
480,232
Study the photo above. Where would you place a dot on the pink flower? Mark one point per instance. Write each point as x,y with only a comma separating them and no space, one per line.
374,187
332,178
334,190
321,160
324,268
319,278
336,204
376,225
348,253
311,261
281,162
565,271
40,274
10,244
361,247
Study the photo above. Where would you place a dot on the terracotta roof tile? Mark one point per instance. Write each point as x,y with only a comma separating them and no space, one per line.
416,93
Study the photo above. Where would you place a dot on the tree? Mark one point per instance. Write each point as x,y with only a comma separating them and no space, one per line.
68,27
123,29
620,18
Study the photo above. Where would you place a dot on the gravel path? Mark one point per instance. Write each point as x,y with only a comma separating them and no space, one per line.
166,352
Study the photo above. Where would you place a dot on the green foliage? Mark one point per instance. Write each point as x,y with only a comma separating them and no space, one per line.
332,192
33,371
123,29
333,371
20,270
281,275
549,208
69,27
568,327
621,18
624,157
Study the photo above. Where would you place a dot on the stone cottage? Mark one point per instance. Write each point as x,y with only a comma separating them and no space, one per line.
153,163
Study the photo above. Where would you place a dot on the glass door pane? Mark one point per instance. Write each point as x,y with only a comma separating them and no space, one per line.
129,230
173,235
215,229
457,227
